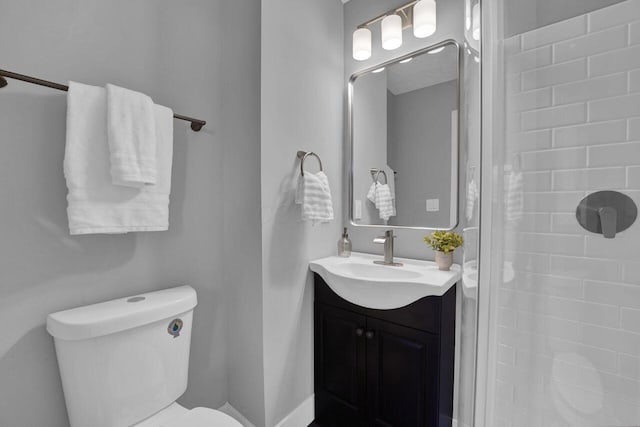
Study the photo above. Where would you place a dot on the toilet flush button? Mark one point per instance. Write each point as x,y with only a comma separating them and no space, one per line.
136,299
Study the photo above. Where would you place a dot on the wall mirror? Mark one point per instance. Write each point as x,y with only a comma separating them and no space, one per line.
403,141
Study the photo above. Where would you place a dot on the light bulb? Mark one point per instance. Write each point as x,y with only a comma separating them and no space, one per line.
424,18
361,44
476,22
391,32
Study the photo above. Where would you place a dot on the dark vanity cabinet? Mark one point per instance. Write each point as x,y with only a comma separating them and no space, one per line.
383,368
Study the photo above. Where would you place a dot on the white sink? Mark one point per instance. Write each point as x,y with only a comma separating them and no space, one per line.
358,280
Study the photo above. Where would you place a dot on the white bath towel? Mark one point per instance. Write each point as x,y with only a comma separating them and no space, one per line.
314,195
472,198
131,130
380,195
95,205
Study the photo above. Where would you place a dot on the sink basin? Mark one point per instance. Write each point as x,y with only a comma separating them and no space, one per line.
358,280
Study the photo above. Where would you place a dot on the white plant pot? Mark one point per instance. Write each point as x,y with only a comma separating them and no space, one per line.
444,261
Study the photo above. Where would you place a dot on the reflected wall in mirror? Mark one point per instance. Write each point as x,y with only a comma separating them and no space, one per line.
403,141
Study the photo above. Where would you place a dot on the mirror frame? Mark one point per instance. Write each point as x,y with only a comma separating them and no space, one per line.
349,146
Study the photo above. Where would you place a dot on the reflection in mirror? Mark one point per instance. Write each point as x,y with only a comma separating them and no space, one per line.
404,141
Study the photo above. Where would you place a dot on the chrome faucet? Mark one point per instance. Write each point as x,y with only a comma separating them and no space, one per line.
387,240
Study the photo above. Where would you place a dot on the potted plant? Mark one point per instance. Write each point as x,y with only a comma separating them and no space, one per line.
444,243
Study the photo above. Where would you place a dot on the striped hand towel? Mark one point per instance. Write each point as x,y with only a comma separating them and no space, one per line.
314,195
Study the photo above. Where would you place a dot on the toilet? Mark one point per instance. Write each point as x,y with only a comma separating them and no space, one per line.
125,362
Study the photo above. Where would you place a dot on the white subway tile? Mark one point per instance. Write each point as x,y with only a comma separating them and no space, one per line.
627,413
619,248
548,326
589,179
504,391
554,74
620,387
549,285
631,272
536,181
634,81
554,117
530,141
615,61
627,153
534,222
634,129
601,359
538,98
592,43
530,59
513,83
633,177
506,354
568,244
512,46
614,108
506,317
634,33
624,295
591,89
566,223
565,158
591,133
552,202
524,261
585,268
555,32
612,16
611,339
570,309
629,366
630,319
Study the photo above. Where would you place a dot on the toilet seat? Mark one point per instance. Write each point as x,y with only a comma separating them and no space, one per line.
203,417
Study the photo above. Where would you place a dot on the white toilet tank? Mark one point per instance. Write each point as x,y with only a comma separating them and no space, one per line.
121,361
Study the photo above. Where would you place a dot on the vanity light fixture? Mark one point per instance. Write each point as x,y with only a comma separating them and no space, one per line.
419,14
362,44
424,18
391,27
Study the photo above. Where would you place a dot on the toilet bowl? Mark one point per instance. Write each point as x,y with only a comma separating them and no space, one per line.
125,362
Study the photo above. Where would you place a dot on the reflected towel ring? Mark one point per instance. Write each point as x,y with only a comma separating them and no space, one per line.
375,174
302,155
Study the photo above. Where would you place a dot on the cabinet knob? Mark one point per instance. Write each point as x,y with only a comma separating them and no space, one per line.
359,331
369,335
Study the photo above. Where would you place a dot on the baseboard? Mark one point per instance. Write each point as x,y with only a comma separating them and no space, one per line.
302,416
233,412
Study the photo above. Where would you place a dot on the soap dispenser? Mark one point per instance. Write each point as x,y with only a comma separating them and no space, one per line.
344,245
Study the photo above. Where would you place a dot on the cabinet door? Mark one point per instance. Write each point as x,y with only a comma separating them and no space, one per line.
340,367
402,366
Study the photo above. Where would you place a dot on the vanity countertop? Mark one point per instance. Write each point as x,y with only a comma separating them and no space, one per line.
358,280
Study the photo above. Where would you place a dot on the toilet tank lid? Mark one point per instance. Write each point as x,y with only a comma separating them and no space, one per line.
117,315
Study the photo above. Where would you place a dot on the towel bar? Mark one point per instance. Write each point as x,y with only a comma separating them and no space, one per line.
375,173
302,155
196,124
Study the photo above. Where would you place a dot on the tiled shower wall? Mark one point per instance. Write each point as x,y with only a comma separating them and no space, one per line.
569,306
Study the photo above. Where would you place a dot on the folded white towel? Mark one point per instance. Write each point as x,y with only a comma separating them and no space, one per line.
95,205
314,195
131,129
380,195
472,197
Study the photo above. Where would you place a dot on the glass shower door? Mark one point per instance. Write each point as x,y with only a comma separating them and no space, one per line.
561,308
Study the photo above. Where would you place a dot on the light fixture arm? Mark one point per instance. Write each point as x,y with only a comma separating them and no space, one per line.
405,12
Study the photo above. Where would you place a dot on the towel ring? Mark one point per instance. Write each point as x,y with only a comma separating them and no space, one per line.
375,174
302,155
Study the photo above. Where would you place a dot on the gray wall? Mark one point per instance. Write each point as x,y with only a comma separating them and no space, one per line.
241,228
302,99
176,52
450,26
525,15
420,151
